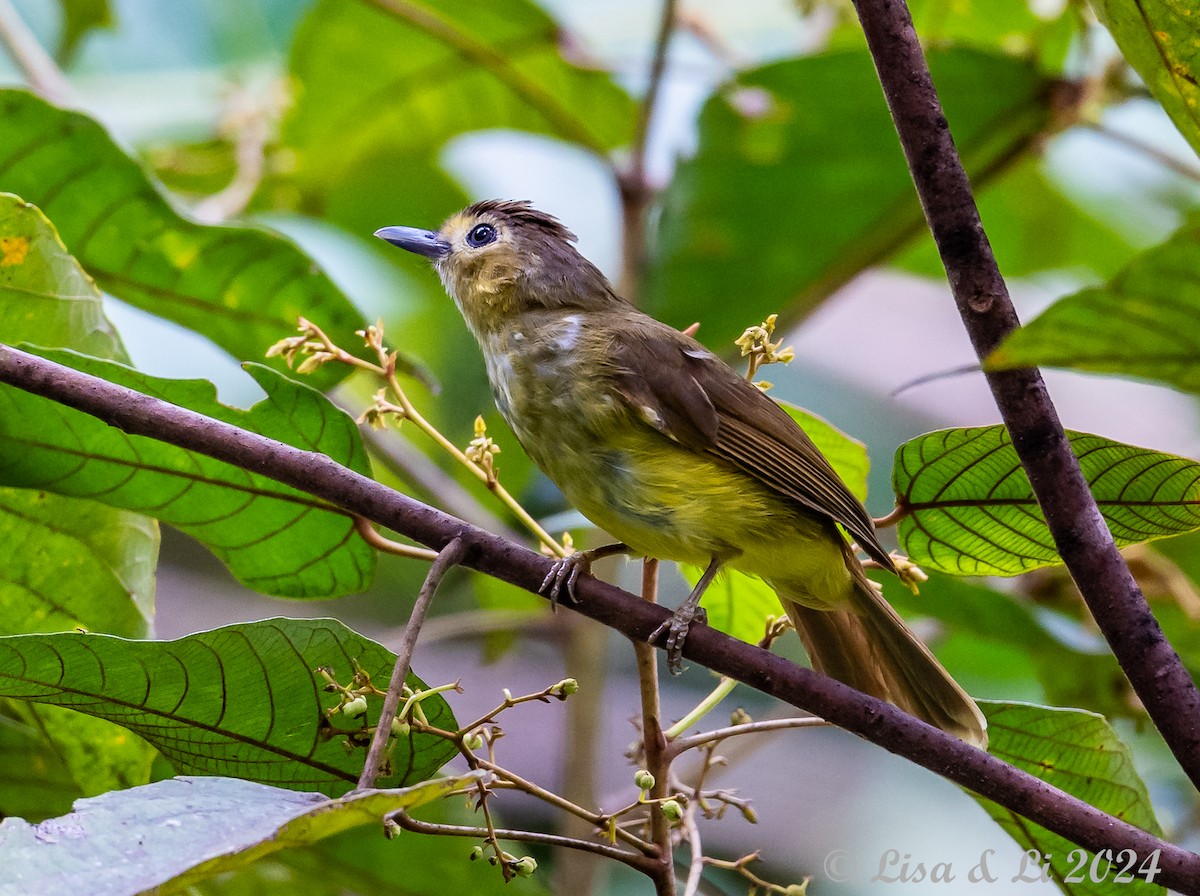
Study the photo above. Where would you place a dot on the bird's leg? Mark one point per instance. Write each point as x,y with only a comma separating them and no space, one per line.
677,626
560,581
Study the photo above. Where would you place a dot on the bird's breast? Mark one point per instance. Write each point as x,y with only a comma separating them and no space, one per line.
544,374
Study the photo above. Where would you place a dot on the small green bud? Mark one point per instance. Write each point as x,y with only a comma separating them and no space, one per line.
751,816
740,717
391,828
672,810
474,741
400,727
565,688
643,779
525,866
797,890
476,854
352,709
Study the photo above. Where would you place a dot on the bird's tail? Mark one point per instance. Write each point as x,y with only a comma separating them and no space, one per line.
868,646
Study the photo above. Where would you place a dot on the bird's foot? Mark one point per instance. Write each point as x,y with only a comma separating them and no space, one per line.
564,574
676,629
560,580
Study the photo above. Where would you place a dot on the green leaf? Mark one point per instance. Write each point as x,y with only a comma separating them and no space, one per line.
241,287
410,865
1011,26
970,509
736,604
188,829
80,17
45,296
393,80
241,701
1161,40
71,563
799,182
1078,752
1144,323
35,783
67,562
273,537
847,454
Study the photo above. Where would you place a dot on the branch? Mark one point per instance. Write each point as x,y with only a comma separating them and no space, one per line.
634,184
869,718
632,859
446,558
1080,535
654,745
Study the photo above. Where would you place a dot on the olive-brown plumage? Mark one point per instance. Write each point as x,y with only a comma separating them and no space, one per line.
663,445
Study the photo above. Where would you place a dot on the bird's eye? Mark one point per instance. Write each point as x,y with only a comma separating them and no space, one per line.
481,235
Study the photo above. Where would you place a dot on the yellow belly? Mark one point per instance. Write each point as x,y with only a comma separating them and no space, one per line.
669,502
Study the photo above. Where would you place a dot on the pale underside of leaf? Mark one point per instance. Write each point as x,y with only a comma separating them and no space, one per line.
189,829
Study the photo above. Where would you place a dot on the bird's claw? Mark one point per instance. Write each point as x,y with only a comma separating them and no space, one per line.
560,580
676,629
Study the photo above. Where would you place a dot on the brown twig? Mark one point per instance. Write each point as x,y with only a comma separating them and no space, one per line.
450,555
632,859
634,183
654,744
683,744
871,719
1080,534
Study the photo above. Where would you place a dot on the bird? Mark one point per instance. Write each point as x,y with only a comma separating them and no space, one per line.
661,444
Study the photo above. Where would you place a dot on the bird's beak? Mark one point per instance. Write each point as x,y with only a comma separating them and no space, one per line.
422,242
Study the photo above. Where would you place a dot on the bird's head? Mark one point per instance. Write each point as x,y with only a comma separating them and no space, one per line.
499,258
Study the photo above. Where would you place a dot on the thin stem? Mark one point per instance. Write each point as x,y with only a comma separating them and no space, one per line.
449,556
632,859
249,121
1080,534
634,183
509,702
654,745
691,832
741,866
1180,167
899,512
404,459
38,66
549,796
684,744
658,67
723,689
374,539
878,722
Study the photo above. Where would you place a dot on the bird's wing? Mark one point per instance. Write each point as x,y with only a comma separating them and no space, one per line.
690,396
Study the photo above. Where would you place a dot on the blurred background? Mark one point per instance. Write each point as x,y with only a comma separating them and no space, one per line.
769,180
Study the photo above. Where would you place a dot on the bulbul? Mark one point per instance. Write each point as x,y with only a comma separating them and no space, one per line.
664,446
